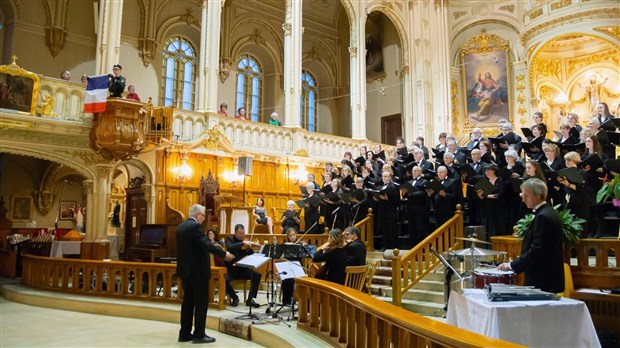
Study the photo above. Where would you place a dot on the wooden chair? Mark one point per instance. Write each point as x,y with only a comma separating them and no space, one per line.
355,277
372,268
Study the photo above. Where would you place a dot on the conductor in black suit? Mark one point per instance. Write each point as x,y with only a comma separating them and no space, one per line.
194,269
541,254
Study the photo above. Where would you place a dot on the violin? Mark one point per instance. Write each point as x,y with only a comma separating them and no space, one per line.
252,244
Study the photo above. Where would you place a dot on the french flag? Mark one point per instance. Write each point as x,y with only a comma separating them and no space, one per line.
96,93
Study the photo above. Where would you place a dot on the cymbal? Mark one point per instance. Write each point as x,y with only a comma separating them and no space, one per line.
473,240
478,252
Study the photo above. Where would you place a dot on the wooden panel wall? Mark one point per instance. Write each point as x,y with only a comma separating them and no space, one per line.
271,179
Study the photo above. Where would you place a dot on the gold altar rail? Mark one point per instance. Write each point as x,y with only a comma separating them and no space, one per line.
344,317
410,268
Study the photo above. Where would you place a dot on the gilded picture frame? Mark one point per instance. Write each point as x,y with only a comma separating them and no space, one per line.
21,208
67,210
486,81
19,89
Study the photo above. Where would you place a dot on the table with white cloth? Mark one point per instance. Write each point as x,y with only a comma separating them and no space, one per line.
563,323
60,248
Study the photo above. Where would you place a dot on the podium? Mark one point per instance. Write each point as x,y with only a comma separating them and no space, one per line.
232,212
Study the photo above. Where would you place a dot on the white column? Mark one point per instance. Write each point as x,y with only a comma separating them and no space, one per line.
357,53
440,64
212,51
100,207
292,63
109,35
201,84
89,217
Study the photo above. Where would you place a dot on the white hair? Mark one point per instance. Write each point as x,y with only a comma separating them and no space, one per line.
196,209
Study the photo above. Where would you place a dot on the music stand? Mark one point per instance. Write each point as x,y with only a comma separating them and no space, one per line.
252,262
289,270
448,277
272,251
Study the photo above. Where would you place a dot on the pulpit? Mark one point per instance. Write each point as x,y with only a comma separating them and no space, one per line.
232,212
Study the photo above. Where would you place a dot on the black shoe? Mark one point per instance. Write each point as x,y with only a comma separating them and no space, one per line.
234,302
251,302
205,339
185,338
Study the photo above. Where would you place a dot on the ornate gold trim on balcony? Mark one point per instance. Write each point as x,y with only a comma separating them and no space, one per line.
5,124
217,141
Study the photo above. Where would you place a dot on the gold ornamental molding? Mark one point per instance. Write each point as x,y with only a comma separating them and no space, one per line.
484,43
611,31
454,90
9,124
554,23
611,56
19,88
521,110
301,153
216,140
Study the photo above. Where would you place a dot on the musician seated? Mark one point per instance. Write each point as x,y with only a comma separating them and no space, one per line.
290,217
288,285
332,253
260,214
214,238
240,248
356,250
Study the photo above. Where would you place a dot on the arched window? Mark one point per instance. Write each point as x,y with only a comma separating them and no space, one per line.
309,96
249,86
179,73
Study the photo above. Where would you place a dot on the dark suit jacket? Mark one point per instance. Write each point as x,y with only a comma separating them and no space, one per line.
541,254
445,206
356,253
193,248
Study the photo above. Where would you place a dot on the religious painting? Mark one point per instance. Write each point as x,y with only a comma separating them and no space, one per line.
18,89
374,47
21,208
485,69
67,210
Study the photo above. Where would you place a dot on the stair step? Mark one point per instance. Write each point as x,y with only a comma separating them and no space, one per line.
431,285
418,295
418,307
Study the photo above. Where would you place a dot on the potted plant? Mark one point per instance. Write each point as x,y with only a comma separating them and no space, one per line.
610,189
572,225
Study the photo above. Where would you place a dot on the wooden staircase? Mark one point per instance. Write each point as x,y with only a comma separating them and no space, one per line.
425,298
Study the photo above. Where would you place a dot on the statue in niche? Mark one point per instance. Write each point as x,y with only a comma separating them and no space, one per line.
116,215
594,90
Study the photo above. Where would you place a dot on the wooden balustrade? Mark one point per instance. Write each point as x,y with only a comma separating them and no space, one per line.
367,229
410,268
344,317
266,238
603,274
132,280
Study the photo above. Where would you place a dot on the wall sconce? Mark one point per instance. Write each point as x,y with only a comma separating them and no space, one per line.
183,172
233,178
299,175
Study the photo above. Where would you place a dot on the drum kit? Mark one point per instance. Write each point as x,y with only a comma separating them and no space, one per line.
474,267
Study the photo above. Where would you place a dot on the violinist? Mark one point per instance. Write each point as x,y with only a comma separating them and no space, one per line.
356,250
214,238
288,285
240,247
333,254
290,218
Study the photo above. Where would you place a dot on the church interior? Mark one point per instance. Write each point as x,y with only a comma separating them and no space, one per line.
209,79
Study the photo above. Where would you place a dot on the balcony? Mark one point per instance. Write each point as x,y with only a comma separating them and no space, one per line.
189,127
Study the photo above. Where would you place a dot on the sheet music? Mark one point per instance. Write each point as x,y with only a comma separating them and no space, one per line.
252,261
290,269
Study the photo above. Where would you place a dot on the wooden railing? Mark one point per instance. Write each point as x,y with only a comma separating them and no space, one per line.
265,238
343,317
410,268
603,274
367,227
131,280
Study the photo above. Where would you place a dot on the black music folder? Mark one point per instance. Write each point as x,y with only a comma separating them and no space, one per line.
594,161
467,169
326,189
380,155
611,124
435,185
527,132
614,138
403,160
438,154
346,182
498,140
571,174
485,185
358,195
533,147
566,148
